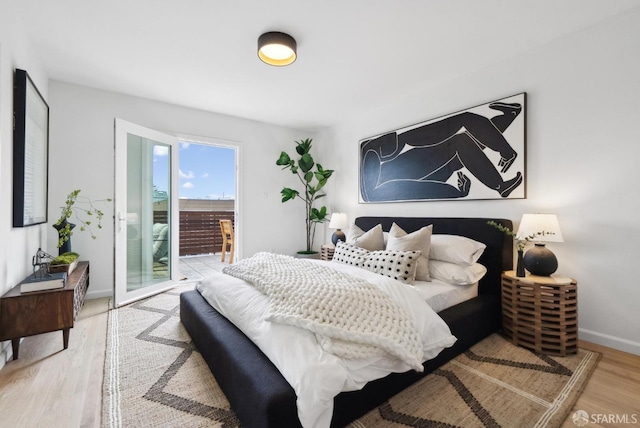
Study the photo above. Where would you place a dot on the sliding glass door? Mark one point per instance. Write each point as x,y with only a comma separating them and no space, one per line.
147,213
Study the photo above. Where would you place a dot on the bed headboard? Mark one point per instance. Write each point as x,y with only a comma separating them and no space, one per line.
497,257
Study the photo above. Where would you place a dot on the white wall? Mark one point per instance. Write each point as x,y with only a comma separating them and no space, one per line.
17,245
82,156
583,102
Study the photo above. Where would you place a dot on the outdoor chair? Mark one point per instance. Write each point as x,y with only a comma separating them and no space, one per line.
226,227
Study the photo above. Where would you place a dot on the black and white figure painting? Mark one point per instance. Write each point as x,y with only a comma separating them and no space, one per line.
478,153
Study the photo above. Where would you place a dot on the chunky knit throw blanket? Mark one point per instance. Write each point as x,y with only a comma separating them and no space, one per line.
350,317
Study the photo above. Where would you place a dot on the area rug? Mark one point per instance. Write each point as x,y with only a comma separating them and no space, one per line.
493,384
154,377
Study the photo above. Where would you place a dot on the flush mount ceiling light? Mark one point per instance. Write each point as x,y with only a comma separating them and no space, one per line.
275,48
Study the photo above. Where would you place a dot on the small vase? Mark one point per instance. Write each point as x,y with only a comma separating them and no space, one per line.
66,247
520,266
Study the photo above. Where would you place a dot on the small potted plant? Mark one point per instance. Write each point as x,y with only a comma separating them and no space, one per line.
312,182
65,262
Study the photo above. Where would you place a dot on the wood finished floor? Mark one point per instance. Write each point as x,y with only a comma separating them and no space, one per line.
50,387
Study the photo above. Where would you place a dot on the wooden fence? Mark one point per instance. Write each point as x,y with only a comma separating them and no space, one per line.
199,230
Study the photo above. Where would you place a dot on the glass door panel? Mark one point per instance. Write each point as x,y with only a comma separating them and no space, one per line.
146,206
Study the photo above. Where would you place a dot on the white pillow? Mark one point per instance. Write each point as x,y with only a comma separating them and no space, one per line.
455,249
400,265
420,240
456,274
349,254
371,240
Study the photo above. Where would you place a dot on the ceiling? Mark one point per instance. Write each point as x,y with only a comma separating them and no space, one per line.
351,54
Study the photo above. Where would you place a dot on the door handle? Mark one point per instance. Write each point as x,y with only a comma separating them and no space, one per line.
121,218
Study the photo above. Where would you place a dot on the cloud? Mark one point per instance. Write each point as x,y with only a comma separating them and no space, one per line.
160,150
205,175
184,145
188,185
189,175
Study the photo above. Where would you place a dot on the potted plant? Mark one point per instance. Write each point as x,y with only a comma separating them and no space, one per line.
312,182
83,215
65,262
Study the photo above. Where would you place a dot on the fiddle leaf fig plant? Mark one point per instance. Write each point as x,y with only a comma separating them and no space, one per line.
312,181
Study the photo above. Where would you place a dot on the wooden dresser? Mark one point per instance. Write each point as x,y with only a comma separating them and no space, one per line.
27,314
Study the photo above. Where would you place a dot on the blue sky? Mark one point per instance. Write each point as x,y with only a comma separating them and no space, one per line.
206,172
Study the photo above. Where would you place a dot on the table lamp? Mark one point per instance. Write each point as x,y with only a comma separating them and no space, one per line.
338,221
540,228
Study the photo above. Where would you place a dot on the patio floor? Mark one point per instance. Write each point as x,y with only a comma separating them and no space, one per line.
196,268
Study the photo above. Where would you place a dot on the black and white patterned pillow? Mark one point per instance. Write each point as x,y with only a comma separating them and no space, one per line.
400,265
349,254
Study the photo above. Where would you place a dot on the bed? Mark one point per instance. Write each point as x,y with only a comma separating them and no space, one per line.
258,392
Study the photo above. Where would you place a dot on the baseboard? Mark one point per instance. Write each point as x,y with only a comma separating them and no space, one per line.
6,353
98,294
609,341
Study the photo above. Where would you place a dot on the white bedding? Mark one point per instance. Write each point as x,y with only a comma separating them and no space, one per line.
315,375
441,295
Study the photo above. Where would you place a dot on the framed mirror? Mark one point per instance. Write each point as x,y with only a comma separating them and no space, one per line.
30,152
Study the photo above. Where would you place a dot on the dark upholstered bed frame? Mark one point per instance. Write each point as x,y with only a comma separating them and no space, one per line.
259,394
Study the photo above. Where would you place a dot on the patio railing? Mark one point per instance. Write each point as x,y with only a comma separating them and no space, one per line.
199,230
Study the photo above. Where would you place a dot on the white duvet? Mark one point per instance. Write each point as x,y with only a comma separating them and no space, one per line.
315,375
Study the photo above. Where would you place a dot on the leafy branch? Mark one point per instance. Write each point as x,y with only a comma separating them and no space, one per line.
83,215
521,242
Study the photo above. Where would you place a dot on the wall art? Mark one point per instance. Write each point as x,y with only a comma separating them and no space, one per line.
30,152
477,153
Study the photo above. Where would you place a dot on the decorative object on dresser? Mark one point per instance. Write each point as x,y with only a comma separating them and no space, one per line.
478,153
42,278
539,260
338,221
313,182
43,281
65,262
28,314
541,313
73,208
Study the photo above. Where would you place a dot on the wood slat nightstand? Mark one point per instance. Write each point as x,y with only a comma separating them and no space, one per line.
540,313
326,252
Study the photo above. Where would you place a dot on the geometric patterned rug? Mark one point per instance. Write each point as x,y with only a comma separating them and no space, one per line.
493,384
154,377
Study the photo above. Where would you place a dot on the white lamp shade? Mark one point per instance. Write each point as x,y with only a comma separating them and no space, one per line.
338,221
532,224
